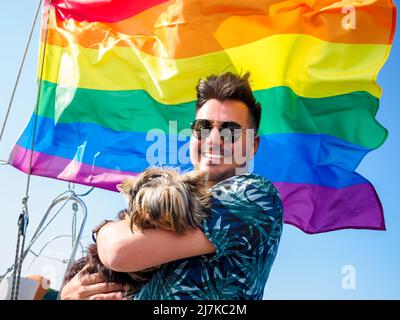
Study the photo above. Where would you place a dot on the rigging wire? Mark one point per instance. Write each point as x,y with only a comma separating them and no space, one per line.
20,70
24,216
33,240
37,234
55,215
71,188
37,255
38,98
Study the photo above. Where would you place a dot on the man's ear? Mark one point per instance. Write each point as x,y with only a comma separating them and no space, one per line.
254,147
256,144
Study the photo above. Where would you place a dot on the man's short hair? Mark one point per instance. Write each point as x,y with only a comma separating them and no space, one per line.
229,86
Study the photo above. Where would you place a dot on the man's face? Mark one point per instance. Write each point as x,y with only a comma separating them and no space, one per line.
220,158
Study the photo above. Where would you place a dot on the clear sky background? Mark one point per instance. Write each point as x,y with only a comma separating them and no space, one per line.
346,264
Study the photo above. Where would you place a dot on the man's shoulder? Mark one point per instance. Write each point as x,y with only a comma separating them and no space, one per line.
250,191
245,182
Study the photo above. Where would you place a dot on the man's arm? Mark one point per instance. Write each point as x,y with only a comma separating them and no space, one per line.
121,250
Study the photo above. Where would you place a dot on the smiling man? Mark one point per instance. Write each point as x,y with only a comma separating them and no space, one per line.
231,256
227,104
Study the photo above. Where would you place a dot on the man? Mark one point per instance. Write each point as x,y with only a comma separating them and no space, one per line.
231,256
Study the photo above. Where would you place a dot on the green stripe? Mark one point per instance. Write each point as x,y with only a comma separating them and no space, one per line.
350,117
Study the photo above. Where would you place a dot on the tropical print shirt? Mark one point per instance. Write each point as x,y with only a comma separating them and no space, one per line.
245,228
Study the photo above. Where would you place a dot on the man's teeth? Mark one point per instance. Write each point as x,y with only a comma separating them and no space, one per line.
213,155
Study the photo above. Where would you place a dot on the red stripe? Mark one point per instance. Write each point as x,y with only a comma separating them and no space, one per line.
100,10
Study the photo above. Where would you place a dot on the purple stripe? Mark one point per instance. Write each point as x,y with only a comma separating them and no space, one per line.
67,169
311,208
314,209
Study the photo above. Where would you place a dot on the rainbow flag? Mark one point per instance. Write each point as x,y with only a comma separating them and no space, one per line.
113,70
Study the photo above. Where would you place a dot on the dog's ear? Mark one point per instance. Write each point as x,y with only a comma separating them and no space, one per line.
126,186
129,188
196,181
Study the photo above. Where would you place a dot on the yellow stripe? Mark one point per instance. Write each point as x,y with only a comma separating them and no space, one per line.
311,67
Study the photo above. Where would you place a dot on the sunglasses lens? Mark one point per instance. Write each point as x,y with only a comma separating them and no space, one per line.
228,130
232,129
201,128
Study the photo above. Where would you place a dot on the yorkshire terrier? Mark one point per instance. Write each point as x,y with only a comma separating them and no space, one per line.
158,198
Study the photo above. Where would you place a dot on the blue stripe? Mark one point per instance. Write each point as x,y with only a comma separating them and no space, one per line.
290,157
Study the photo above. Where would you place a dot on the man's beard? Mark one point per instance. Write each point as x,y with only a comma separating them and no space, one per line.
221,173
219,176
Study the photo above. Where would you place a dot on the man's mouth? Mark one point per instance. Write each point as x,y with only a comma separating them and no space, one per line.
212,156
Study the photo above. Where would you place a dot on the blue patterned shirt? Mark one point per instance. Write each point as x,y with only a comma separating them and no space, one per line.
245,227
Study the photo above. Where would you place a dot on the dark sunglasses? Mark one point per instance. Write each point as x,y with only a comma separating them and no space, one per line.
201,129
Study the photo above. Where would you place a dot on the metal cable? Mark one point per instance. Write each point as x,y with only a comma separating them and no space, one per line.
38,99
20,250
20,70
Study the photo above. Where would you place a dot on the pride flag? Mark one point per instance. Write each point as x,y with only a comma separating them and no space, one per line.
113,70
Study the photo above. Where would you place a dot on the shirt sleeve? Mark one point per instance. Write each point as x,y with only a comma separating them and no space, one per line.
246,213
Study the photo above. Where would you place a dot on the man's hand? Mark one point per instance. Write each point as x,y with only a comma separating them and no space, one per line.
91,287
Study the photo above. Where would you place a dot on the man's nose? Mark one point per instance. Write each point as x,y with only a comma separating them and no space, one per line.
214,138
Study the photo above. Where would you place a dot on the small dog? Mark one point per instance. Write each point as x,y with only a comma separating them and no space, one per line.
158,198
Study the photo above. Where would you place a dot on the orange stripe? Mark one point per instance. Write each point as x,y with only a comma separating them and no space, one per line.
171,31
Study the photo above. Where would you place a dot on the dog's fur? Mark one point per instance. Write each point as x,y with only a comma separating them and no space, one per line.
158,198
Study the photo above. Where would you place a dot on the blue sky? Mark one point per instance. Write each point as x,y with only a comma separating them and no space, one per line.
307,266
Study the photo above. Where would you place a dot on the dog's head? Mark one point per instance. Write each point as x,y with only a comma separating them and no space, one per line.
162,198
